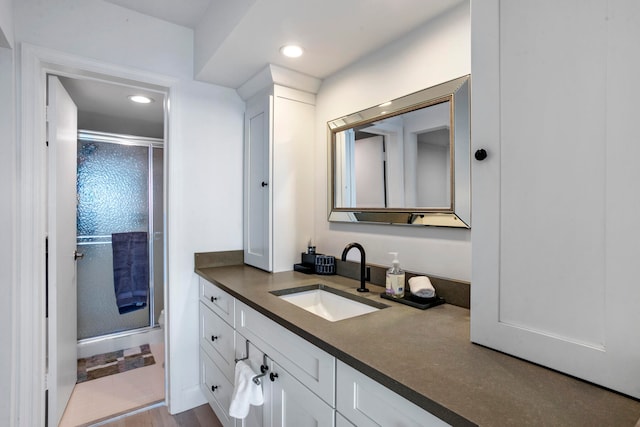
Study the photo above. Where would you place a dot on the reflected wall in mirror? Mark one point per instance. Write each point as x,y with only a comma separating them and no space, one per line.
405,161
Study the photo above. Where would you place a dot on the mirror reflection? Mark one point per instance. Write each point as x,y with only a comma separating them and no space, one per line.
405,161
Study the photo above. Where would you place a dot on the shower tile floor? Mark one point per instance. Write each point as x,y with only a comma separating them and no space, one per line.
113,395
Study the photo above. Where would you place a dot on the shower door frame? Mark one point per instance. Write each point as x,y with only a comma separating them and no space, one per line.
150,143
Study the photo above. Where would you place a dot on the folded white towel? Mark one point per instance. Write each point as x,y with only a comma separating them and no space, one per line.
421,286
245,391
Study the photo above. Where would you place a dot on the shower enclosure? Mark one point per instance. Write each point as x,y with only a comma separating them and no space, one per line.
120,190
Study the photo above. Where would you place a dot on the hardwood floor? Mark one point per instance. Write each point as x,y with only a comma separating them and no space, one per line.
201,416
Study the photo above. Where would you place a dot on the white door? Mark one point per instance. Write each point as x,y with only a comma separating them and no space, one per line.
61,328
555,245
257,187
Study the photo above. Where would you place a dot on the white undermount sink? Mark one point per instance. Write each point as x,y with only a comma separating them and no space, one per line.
329,303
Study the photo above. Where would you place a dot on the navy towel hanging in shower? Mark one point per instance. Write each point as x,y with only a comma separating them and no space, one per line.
130,270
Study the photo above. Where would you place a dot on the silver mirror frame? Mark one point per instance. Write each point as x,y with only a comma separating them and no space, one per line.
459,213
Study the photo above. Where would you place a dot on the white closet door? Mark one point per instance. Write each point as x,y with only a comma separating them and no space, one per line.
554,244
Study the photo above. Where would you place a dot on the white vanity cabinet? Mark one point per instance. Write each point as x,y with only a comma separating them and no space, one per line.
278,189
302,389
366,403
554,104
304,385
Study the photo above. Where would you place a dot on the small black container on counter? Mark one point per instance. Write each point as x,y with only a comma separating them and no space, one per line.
316,263
325,264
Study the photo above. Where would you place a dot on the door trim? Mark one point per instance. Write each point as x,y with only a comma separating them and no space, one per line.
29,331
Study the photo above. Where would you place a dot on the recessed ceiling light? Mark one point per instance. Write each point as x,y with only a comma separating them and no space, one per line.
140,99
291,50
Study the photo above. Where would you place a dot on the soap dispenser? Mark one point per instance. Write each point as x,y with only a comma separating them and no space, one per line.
395,278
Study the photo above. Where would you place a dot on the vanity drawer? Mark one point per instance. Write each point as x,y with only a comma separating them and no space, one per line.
309,364
217,389
217,300
365,402
217,340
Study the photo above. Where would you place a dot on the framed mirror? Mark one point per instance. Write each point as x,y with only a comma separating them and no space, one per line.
406,161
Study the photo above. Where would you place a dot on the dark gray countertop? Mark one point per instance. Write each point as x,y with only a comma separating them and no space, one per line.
426,357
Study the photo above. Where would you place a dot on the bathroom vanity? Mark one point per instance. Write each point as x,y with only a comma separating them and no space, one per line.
395,365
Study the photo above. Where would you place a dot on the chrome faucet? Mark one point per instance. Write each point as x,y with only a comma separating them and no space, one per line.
363,264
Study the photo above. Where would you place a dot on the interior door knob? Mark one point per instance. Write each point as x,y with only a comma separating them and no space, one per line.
264,184
481,154
77,255
273,376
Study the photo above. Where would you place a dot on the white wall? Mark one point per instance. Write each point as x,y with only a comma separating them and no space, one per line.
6,23
7,228
204,153
436,52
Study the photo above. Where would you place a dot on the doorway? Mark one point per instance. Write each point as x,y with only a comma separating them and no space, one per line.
33,382
120,192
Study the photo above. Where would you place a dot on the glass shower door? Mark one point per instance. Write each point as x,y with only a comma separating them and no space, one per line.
119,191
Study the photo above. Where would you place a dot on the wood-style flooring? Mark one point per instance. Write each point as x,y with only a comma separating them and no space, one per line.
201,416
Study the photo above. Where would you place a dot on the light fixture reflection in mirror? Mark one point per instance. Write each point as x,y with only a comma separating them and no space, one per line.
409,165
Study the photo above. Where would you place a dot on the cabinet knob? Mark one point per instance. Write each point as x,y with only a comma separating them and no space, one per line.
214,387
481,154
214,299
213,337
273,376
264,184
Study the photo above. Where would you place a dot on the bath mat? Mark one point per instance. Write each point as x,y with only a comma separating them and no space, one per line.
102,365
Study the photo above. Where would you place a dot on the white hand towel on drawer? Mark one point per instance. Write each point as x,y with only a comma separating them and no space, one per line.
421,286
245,391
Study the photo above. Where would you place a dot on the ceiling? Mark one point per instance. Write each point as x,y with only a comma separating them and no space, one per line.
235,39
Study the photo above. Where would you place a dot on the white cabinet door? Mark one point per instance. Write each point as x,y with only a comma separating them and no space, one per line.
293,177
256,416
217,339
217,389
257,188
555,267
294,405
367,403
217,300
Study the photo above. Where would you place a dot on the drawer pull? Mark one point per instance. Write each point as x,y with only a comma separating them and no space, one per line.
273,376
214,387
214,299
214,337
